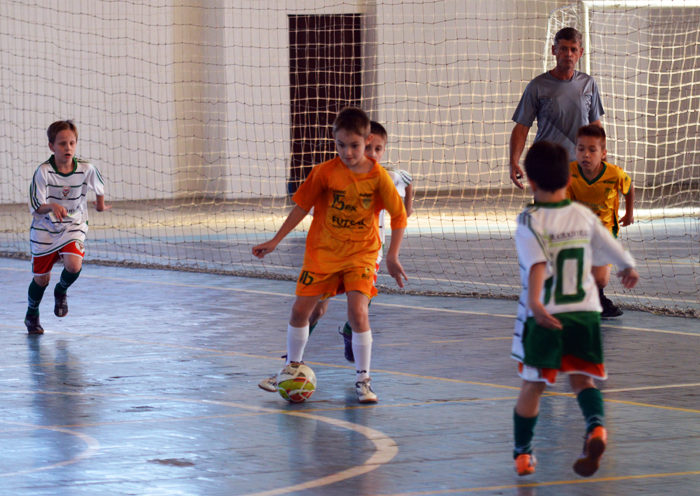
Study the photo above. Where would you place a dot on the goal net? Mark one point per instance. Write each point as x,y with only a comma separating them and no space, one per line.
203,115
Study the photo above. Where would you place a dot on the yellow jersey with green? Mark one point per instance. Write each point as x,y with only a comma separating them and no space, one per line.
344,232
602,193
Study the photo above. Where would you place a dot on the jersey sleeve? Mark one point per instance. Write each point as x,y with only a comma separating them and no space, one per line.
528,243
309,190
596,111
605,249
391,201
94,180
37,190
526,111
624,183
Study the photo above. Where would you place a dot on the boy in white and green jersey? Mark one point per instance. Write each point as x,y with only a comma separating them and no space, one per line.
58,203
558,322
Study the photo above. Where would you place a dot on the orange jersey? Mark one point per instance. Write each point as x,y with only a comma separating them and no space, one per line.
602,194
345,232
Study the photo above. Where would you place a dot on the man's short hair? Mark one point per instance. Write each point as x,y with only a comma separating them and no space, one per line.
378,130
547,164
59,126
354,120
568,34
592,131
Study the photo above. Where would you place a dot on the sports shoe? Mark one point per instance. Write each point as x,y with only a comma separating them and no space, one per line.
609,309
525,464
269,384
364,391
33,324
349,355
60,308
593,448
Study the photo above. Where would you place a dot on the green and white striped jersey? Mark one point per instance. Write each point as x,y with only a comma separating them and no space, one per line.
570,238
48,185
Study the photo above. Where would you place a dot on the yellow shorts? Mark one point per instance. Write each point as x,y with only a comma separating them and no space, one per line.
360,279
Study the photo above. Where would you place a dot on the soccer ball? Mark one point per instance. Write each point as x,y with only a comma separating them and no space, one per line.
296,382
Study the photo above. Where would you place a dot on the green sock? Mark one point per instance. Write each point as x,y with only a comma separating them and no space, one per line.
347,330
67,278
36,293
524,429
312,327
591,402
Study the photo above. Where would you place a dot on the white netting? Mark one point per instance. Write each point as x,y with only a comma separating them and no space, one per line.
203,114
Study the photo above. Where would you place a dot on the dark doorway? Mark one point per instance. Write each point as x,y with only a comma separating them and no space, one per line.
325,74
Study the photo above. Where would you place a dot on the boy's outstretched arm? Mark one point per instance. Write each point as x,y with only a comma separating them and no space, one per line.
628,277
393,265
535,283
100,204
293,219
628,218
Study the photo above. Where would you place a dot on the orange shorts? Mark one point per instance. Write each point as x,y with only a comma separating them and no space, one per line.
569,365
43,264
360,279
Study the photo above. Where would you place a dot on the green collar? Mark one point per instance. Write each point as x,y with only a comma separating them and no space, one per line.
560,204
580,171
52,161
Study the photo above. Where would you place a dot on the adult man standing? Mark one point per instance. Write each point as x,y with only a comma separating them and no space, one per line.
562,100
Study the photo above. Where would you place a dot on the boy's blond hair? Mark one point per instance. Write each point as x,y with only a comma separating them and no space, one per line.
59,126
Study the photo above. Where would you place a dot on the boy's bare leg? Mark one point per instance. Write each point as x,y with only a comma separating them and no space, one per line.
298,329
318,312
527,409
358,316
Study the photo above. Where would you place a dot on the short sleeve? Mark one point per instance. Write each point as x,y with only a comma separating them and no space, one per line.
624,183
528,244
526,111
309,190
596,111
37,190
606,249
94,181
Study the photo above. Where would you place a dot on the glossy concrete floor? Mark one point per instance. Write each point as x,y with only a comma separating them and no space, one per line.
148,387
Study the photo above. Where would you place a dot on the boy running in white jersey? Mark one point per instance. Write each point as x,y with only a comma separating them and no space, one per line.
58,203
402,180
558,324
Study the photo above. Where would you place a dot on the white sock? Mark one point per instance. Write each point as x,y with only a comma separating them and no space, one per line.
296,342
362,349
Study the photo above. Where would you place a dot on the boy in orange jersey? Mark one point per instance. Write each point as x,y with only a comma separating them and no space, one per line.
347,194
598,184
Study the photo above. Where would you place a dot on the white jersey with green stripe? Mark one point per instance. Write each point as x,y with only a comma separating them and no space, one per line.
401,180
570,239
70,190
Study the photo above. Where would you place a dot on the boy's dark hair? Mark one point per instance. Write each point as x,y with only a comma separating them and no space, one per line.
592,131
568,34
378,130
59,126
354,120
547,164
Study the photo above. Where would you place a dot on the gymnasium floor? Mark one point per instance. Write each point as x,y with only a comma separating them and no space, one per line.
148,387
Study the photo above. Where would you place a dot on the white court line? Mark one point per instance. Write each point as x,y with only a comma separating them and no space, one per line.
648,388
385,447
92,447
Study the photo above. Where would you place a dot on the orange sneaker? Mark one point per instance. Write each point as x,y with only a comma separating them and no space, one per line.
525,464
589,461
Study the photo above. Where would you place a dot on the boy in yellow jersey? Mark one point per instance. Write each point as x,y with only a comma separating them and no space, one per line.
347,194
598,184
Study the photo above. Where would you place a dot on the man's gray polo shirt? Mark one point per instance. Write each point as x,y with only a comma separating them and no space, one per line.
560,107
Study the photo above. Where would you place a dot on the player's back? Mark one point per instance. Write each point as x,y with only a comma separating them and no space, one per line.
560,234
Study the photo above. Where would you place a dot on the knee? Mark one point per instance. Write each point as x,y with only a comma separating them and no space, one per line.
43,280
581,382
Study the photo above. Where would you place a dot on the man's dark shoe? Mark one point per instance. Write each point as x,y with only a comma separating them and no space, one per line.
609,309
349,355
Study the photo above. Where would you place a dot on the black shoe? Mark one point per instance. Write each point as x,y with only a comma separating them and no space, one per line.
33,324
60,309
609,309
349,355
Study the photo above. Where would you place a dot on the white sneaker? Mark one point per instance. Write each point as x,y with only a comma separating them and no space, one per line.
269,384
364,391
